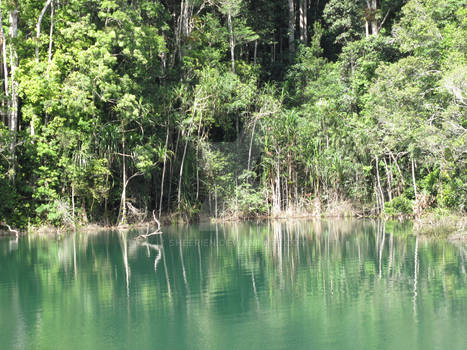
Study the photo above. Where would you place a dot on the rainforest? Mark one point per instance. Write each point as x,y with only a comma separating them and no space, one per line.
117,111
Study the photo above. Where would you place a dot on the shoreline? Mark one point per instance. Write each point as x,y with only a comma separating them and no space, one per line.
450,226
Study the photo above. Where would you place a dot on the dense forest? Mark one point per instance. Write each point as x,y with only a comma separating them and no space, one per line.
113,109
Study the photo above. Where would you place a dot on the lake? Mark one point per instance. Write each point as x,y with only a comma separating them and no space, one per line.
273,285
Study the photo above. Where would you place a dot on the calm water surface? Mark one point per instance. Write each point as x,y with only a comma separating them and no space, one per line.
278,285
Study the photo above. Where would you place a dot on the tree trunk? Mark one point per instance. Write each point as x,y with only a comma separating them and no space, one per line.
374,22
123,198
200,136
388,178
38,28
179,197
164,167
251,144
278,189
183,26
197,172
303,21
4,54
215,200
413,179
13,124
73,203
255,52
171,169
379,183
49,60
179,31
370,20
232,40
291,26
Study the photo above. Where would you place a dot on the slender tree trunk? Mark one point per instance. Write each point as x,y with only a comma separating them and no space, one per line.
296,189
286,185
380,189
215,200
171,169
255,52
388,178
14,84
378,207
413,179
4,54
179,197
197,172
164,167
179,31
272,183
124,182
303,21
38,34
210,203
73,203
278,187
401,179
106,201
38,27
52,23
183,29
232,40
198,141
291,26
251,143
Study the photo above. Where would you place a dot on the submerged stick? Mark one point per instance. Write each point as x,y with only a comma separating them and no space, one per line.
156,232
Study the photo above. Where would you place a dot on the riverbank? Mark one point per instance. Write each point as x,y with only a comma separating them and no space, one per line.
442,225
436,224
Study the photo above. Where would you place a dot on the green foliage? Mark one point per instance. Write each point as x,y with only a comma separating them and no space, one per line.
344,19
247,202
137,102
399,206
57,213
452,191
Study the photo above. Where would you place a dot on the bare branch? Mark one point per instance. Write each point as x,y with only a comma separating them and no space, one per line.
16,232
132,176
156,232
384,20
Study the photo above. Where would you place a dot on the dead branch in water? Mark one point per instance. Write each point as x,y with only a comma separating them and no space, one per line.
16,232
156,232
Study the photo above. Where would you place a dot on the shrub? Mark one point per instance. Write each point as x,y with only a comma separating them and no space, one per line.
399,206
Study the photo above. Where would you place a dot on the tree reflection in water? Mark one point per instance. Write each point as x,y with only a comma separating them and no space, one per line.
196,277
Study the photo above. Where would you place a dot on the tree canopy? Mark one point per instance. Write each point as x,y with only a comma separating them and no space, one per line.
225,108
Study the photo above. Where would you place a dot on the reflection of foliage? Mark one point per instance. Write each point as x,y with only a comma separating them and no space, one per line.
208,272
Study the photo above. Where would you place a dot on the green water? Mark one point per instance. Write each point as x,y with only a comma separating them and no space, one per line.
294,285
